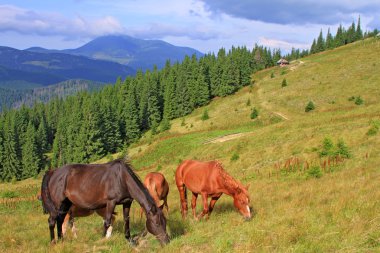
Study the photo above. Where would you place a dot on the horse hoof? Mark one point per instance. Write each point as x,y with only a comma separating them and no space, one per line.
132,243
53,242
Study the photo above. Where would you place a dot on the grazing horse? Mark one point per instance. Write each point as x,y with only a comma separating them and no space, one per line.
158,188
96,186
210,180
78,212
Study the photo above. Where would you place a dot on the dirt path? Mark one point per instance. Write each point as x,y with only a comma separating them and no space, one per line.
227,137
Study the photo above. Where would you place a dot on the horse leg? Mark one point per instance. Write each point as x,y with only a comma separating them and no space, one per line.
127,232
194,204
52,220
64,224
63,210
183,197
212,204
205,205
73,227
108,217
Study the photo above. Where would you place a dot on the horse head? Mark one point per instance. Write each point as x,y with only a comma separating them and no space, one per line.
156,224
241,201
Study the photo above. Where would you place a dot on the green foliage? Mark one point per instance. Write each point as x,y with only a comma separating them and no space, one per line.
351,98
327,148
374,129
330,150
254,113
272,75
314,172
205,115
359,101
342,150
284,83
9,194
235,157
248,103
310,106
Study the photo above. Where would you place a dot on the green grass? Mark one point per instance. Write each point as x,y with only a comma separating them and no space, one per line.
332,209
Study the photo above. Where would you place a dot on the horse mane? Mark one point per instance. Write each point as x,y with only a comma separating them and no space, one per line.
229,182
128,167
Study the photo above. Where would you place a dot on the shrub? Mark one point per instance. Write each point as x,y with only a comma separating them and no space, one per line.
359,101
235,157
351,98
327,148
165,125
342,149
310,106
284,83
254,113
272,75
205,115
248,102
314,172
375,126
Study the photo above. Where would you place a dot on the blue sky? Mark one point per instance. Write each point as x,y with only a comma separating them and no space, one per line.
206,25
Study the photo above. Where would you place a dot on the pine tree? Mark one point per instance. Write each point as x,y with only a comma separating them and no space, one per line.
11,164
321,44
359,32
31,158
329,40
1,149
132,128
42,137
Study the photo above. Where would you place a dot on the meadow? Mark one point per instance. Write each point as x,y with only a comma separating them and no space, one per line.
302,202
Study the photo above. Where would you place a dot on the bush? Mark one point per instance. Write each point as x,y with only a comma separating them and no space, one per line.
284,83
310,106
314,172
359,101
248,102
351,98
327,148
254,113
272,75
205,115
235,157
165,125
342,150
375,126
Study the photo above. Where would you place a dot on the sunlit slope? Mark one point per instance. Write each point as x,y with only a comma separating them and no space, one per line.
294,211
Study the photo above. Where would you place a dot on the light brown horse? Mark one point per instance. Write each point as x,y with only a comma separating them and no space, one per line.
210,180
158,188
78,212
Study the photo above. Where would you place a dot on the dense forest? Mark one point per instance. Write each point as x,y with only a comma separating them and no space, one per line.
87,126
14,98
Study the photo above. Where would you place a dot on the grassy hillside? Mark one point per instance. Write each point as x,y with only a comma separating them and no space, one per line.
296,209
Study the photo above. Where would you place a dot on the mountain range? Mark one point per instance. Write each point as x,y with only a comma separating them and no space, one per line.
102,59
126,50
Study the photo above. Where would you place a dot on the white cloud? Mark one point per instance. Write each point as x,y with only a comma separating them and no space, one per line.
25,21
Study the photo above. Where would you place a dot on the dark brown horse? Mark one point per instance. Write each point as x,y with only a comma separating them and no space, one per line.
78,212
99,186
158,188
210,180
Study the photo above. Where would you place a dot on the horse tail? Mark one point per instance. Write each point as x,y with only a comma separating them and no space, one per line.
47,203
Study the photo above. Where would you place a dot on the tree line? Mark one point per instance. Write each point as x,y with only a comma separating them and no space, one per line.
87,126
342,37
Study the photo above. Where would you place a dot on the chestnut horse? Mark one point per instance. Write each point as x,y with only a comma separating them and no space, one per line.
78,212
158,188
96,186
210,180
